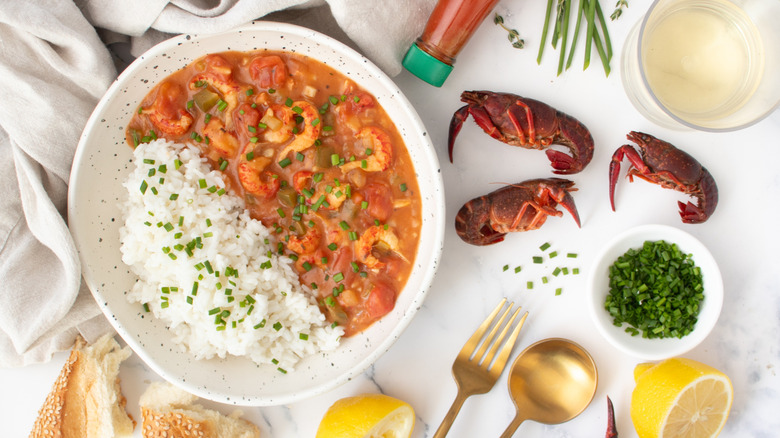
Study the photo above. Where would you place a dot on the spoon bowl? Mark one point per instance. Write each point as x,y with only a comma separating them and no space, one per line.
551,382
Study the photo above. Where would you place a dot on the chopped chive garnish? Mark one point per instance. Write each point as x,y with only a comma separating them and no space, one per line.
544,246
554,254
284,163
518,269
571,255
529,285
506,267
538,259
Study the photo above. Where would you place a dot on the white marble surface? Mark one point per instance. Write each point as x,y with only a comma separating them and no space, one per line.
742,235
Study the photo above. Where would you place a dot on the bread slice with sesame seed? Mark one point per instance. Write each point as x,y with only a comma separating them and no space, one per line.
86,400
171,412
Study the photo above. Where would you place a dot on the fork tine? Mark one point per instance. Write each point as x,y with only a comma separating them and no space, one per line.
489,358
473,341
503,356
491,336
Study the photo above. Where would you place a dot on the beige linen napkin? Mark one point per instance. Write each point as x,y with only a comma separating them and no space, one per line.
54,68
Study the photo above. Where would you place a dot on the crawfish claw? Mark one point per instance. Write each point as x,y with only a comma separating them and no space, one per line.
611,427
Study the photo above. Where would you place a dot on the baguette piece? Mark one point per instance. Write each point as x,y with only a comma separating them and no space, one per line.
86,400
171,412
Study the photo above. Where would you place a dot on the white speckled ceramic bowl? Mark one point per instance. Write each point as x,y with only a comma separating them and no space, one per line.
637,346
103,160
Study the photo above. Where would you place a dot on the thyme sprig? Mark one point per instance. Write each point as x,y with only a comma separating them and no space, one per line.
513,34
619,6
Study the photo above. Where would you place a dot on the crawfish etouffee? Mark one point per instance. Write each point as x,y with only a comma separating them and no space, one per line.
315,158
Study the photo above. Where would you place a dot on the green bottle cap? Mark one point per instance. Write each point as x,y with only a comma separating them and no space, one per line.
425,66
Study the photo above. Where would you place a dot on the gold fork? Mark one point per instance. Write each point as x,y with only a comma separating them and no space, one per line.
472,369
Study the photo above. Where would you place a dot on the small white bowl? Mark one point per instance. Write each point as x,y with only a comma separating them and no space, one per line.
654,349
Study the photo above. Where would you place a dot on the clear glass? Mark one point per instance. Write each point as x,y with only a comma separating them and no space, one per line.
711,65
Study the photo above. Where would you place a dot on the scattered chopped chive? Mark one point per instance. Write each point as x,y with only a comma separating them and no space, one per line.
556,271
174,196
284,163
544,280
558,291
571,255
355,267
575,271
332,246
307,266
344,225
565,270
144,186
299,156
403,187
202,183
335,159
506,267
338,277
333,100
529,285
364,205
146,307
518,269
554,254
288,102
277,326
282,370
303,337
544,246
538,259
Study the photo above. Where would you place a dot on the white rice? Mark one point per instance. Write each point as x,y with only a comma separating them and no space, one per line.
272,318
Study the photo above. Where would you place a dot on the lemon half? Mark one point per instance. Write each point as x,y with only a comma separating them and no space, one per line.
367,416
680,398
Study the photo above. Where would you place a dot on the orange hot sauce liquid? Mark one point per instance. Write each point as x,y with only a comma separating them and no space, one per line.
450,26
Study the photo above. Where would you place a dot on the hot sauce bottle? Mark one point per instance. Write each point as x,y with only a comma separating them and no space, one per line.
449,27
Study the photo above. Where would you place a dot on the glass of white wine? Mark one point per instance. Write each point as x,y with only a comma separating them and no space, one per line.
712,65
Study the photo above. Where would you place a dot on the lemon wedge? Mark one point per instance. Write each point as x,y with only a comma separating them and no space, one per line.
367,416
680,398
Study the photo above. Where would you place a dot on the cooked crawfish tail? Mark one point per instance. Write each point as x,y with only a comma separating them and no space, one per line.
661,163
528,123
517,207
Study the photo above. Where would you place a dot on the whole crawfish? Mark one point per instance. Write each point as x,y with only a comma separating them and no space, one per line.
520,121
661,163
517,207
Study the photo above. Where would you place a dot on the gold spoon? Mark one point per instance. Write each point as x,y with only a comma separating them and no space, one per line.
551,382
